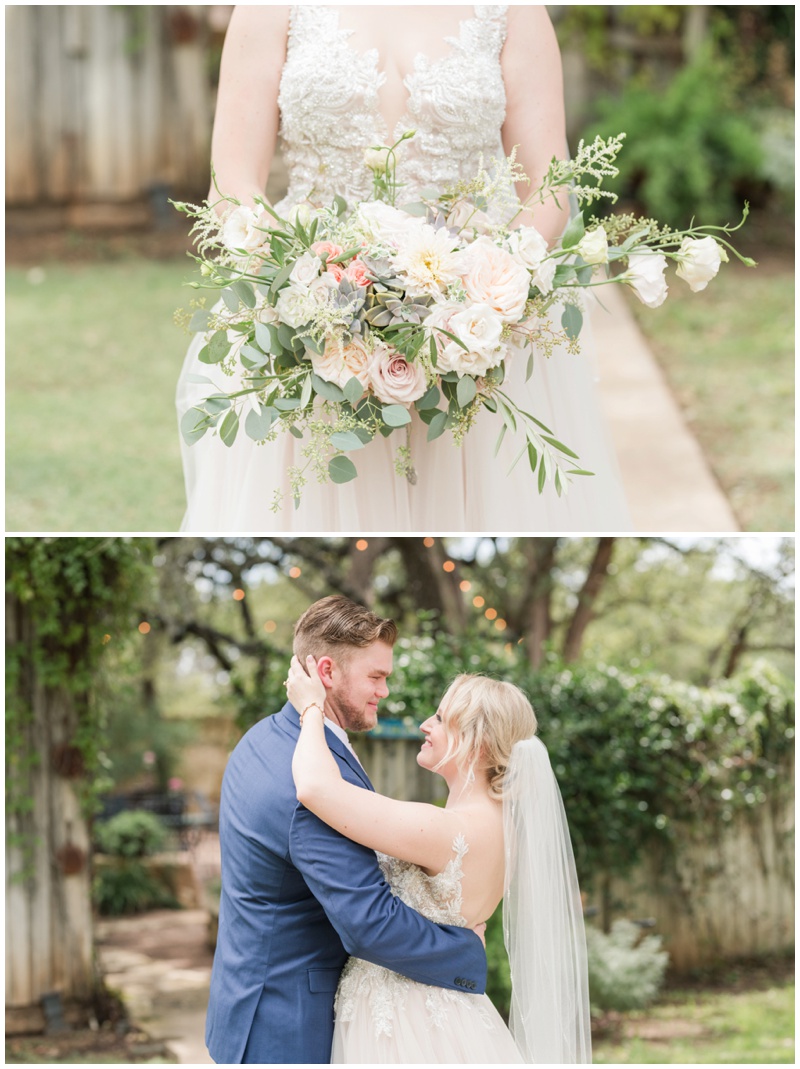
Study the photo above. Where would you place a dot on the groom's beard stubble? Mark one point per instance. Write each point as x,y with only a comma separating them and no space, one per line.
353,717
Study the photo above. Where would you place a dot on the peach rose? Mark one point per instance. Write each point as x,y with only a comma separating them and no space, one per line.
340,362
395,381
492,276
358,273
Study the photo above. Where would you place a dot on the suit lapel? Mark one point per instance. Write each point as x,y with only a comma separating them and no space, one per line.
290,718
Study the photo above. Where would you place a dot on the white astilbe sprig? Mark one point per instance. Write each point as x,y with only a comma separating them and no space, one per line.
596,160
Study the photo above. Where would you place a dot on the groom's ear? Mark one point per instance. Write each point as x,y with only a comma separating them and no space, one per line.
325,669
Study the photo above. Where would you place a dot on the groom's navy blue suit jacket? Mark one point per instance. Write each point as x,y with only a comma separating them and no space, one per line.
297,899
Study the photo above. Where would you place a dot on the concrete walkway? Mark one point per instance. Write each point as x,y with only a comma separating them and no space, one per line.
668,482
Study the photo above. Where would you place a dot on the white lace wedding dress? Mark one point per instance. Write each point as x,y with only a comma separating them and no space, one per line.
382,1017
329,107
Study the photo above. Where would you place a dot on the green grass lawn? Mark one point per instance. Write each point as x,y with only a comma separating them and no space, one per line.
738,396
92,357
708,1027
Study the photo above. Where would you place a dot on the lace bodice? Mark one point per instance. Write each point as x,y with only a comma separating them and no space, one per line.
439,899
330,114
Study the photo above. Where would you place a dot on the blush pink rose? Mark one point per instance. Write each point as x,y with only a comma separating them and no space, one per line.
394,380
327,249
358,273
492,276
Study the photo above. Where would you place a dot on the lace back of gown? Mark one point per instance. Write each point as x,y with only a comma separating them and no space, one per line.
382,1017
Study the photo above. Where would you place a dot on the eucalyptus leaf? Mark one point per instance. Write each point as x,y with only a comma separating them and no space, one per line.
194,424
466,390
244,291
340,204
346,440
264,337
353,390
572,320
437,425
230,299
229,428
341,469
328,390
395,415
257,424
286,404
305,395
285,335
429,400
217,403
192,377
295,431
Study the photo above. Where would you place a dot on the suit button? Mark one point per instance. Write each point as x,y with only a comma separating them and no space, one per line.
472,985
459,980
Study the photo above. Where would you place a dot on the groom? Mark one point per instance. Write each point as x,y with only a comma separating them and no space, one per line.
297,897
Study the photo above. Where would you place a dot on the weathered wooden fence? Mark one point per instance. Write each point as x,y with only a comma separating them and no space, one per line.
104,102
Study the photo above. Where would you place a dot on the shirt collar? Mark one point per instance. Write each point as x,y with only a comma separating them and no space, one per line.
338,731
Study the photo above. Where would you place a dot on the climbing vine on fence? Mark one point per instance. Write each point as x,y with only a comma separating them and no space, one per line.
69,599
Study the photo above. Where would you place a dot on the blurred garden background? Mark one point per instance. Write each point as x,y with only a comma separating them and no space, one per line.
109,112
662,675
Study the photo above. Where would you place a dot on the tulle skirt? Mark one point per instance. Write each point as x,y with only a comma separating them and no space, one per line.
423,1028
457,488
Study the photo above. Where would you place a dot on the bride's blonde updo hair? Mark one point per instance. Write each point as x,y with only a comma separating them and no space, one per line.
483,718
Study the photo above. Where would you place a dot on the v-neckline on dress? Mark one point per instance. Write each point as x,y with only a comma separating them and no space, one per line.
372,55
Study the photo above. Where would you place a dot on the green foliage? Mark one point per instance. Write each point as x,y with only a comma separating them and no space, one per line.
625,971
134,833
687,146
129,888
68,598
498,976
636,755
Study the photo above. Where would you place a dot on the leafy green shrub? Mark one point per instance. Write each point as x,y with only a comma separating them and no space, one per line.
134,833
498,976
687,146
624,973
128,887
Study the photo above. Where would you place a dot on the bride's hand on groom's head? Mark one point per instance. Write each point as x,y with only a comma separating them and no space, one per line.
303,685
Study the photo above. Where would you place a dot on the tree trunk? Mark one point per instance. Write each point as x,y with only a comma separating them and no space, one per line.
429,585
584,612
536,604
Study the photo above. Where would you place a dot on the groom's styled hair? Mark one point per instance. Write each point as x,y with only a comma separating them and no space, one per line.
336,624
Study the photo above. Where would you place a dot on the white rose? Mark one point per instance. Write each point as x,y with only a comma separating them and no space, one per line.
376,158
593,246
306,269
302,213
340,362
492,276
427,258
699,260
383,222
479,327
295,305
527,246
645,275
394,380
244,228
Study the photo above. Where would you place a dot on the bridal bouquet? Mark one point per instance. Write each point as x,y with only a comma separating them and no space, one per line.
339,322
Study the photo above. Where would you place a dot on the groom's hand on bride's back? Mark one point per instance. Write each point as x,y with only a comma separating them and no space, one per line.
480,931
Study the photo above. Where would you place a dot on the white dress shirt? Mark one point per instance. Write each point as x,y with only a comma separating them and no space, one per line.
341,734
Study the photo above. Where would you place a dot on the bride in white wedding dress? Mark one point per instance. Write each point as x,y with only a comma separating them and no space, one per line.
332,82
502,834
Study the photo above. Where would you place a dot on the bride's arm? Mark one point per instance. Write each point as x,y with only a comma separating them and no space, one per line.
246,119
534,83
411,831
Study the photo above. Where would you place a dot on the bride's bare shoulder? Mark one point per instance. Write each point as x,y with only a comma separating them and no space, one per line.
264,22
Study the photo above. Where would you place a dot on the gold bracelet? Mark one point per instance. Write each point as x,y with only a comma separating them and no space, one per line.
311,705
